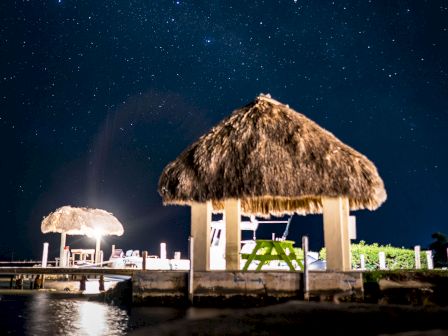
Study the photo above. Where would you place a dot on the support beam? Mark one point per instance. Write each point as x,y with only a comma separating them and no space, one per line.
45,255
97,250
306,279
232,212
62,262
336,235
201,216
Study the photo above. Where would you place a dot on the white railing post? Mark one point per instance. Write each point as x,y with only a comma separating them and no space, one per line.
418,263
306,279
382,260
429,260
362,262
162,250
144,256
45,255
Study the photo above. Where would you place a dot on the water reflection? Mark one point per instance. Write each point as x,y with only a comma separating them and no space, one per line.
44,313
73,317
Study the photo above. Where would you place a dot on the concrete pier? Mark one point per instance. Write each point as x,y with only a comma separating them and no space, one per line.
252,288
226,286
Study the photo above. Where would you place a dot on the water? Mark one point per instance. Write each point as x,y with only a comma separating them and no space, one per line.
45,314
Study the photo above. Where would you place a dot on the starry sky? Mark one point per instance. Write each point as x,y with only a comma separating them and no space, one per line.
96,97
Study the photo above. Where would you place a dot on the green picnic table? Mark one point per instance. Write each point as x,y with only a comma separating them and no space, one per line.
275,250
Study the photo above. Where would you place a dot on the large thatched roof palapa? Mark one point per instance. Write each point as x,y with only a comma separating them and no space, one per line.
82,221
275,160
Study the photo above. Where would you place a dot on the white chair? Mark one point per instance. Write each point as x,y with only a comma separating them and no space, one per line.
129,253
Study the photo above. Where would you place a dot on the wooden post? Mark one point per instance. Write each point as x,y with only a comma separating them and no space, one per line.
191,273
19,282
144,256
418,264
232,210
201,216
45,255
306,280
44,263
101,283
82,283
337,242
62,261
97,250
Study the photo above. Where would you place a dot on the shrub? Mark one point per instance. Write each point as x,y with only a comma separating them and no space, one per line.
396,257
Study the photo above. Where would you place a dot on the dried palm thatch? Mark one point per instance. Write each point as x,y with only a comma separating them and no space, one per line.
275,160
82,221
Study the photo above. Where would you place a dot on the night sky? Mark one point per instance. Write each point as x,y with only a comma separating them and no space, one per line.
96,97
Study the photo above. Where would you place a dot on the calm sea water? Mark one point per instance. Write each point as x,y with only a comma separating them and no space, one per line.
44,314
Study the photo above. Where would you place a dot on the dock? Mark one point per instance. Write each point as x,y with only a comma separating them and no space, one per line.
162,287
173,287
65,271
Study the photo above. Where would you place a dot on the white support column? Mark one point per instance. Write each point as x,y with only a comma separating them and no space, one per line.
201,216
45,255
97,250
66,258
232,211
62,262
336,235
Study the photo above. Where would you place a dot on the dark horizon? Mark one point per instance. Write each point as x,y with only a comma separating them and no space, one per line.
96,98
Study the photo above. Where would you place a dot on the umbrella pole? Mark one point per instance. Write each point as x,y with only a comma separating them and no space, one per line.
61,250
97,250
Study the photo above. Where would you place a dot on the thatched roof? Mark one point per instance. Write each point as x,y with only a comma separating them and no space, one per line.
82,221
275,160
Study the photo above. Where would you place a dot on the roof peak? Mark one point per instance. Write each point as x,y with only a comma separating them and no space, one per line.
267,97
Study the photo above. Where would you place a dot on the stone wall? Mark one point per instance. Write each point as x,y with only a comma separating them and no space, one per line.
163,287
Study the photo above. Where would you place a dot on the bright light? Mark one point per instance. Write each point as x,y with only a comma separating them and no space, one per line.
98,233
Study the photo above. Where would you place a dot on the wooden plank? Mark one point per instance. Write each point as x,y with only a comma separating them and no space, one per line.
55,271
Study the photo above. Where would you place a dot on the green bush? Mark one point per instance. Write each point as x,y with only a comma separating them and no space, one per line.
396,258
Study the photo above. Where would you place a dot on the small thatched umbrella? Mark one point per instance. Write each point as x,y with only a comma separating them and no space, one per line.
95,223
275,161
